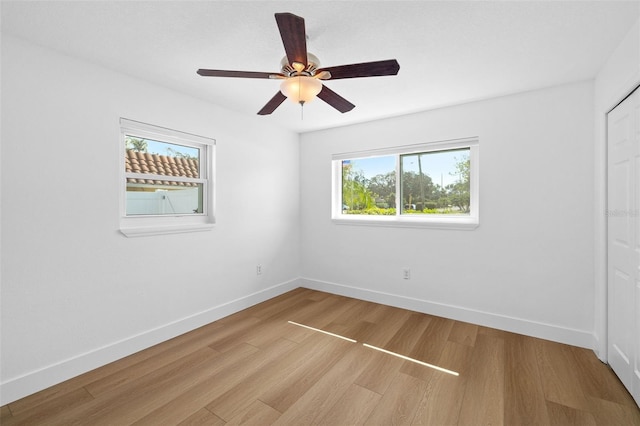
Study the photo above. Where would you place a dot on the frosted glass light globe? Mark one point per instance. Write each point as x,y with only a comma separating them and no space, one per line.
301,89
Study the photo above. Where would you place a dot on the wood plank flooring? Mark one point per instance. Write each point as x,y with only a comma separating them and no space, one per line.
255,367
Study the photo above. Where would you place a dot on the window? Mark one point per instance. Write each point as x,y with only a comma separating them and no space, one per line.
433,184
167,180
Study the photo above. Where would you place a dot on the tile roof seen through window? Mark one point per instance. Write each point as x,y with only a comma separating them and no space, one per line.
156,164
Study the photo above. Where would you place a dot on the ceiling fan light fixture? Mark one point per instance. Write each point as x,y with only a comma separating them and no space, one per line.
301,79
301,89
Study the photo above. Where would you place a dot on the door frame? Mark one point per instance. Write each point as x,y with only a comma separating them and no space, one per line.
601,341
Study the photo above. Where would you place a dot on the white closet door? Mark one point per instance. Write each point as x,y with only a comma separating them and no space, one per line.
623,212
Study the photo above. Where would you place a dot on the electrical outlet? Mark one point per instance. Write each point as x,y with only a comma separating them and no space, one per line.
406,274
259,270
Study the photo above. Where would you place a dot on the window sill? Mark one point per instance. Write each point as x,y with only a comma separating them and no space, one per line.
147,231
466,223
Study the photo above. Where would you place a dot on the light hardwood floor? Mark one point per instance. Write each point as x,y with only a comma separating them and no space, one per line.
255,367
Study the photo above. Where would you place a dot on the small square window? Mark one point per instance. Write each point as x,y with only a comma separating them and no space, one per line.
168,185
162,178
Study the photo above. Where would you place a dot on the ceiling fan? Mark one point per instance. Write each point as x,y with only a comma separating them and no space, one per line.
300,74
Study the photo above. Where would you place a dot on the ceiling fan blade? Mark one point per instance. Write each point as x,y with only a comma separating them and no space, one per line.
365,69
272,104
238,74
335,100
293,37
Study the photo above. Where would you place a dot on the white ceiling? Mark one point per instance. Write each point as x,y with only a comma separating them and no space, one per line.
450,52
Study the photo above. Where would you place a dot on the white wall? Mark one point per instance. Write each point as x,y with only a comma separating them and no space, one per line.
76,293
526,268
617,78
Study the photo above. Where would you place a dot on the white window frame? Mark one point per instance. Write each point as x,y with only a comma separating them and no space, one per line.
467,222
146,225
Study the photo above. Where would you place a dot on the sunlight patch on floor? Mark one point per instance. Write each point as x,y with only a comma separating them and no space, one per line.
322,331
406,358
435,367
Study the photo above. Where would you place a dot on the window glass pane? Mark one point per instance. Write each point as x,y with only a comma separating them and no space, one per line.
161,158
148,197
176,195
436,182
369,186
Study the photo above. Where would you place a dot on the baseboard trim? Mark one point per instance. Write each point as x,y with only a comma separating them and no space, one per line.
35,381
540,330
19,387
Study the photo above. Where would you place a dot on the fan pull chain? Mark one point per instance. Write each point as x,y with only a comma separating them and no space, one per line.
301,102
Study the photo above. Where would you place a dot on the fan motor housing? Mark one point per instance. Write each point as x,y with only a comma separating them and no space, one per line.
313,63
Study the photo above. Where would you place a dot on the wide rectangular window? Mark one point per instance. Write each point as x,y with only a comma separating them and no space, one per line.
167,178
433,184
